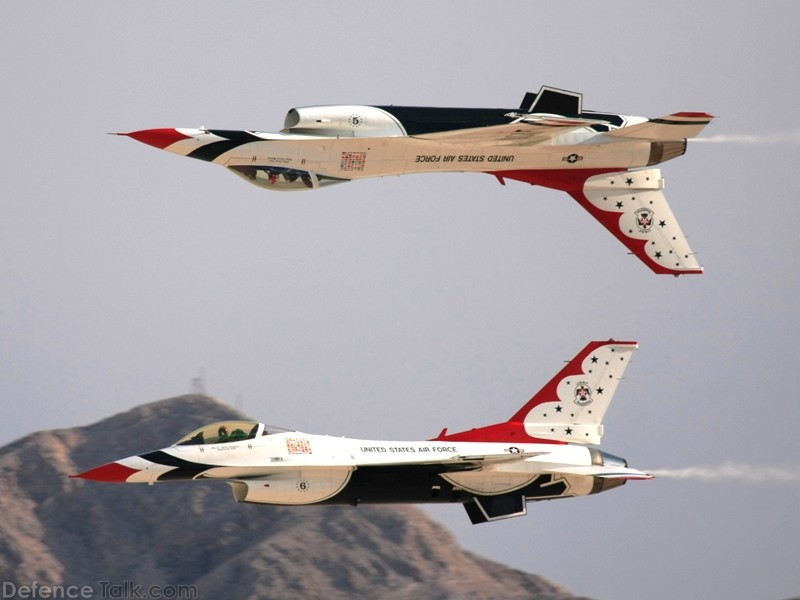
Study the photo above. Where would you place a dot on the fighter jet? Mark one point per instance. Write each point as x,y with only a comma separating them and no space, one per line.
546,450
603,160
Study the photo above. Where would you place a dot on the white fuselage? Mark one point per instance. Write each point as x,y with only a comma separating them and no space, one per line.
364,157
298,468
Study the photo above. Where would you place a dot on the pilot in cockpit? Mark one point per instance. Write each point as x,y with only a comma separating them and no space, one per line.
223,434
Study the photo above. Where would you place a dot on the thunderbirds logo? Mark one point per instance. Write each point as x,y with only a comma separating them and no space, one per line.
644,220
583,394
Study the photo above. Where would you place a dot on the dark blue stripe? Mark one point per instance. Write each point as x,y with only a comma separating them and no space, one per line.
185,469
212,151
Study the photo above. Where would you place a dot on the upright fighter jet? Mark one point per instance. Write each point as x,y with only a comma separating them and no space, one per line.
603,160
546,450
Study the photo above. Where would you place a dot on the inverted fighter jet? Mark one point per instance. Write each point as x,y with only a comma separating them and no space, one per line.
546,450
605,161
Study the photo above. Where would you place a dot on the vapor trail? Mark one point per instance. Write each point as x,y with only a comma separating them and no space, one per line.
791,137
730,472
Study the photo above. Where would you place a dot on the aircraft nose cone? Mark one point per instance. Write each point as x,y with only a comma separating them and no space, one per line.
112,472
160,138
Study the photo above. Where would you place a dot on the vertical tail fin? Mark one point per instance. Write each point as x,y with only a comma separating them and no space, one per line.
570,408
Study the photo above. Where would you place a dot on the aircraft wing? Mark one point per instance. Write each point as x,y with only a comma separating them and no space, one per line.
488,460
528,130
457,462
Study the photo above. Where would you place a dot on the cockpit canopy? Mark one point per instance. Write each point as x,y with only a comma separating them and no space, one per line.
285,179
223,432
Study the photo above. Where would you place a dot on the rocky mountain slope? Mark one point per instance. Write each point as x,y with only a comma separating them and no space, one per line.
60,531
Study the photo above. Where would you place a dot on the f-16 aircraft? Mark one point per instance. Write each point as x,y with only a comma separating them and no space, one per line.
603,160
546,450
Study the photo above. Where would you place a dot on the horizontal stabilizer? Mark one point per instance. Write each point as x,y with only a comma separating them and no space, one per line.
677,126
609,472
455,463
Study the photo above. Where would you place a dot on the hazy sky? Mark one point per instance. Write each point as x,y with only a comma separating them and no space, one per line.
392,308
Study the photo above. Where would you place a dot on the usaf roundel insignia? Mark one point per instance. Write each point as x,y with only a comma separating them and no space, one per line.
583,394
572,158
644,220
